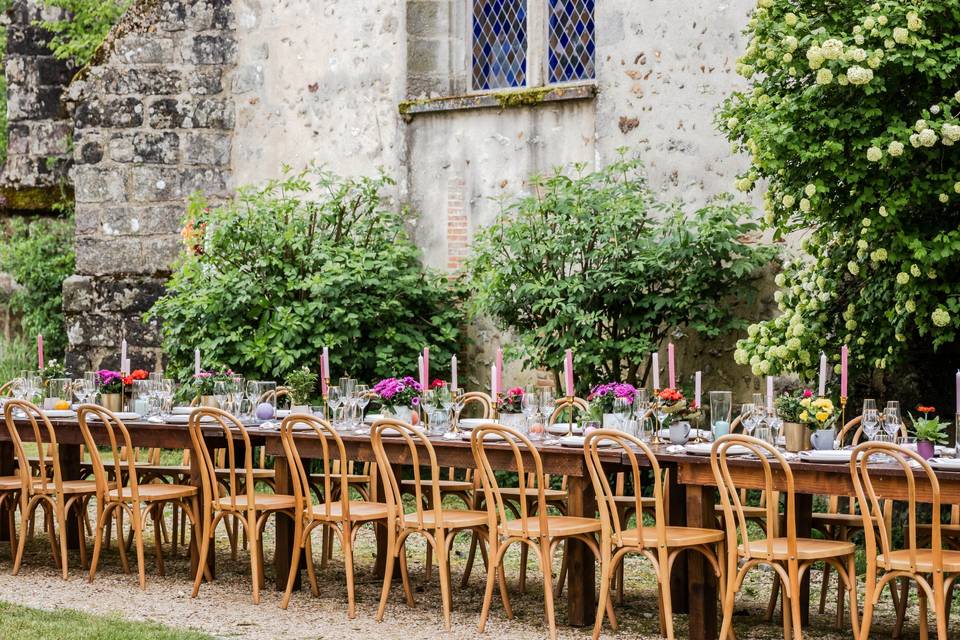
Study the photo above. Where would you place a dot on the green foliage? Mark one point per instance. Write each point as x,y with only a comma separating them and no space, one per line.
77,37
851,120
592,262
930,429
302,262
16,354
21,623
38,253
302,383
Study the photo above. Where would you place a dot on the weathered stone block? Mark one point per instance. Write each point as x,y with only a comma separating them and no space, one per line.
148,48
123,112
133,219
154,184
423,17
206,148
210,182
51,138
150,81
138,331
164,113
206,48
86,218
203,81
18,138
145,147
98,185
89,152
101,255
26,103
93,330
53,72
128,295
159,252
208,113
78,294
27,39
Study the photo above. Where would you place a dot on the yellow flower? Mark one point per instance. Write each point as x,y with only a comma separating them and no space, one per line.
822,416
805,402
804,416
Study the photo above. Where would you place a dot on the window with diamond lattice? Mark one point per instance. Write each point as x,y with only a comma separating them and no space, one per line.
570,44
499,44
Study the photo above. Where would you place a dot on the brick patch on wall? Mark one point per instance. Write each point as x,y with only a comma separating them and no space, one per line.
457,228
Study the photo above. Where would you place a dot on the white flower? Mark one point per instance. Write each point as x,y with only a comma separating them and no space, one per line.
858,38
766,4
914,139
903,278
956,96
853,267
857,54
910,306
810,189
865,222
842,80
832,49
862,244
900,35
883,212
928,137
879,255
889,43
804,205
956,187
740,356
951,132
895,149
779,279
732,123
790,19
920,125
790,43
944,198
815,57
940,317
788,200
873,62
770,54
753,330
934,109
874,154
869,23
788,57
859,75
913,21
915,270
882,20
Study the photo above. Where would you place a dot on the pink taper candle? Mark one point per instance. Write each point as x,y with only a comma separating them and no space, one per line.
40,350
843,371
324,370
671,367
499,369
568,373
426,364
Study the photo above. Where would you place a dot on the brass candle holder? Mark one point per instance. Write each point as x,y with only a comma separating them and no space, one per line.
656,422
570,405
843,419
326,398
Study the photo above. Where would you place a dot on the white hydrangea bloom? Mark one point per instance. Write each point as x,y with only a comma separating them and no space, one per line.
832,49
869,23
858,38
804,205
788,57
810,190
883,212
910,306
815,57
865,222
951,132
956,187
853,267
790,43
790,19
859,75
914,139
779,279
740,356
920,125
915,270
788,201
882,20
913,21
842,80
874,154
766,4
928,137
889,43
753,330
895,148
901,35
944,198
934,109
903,278
857,54
873,62
879,255
862,244
940,317
732,123
956,96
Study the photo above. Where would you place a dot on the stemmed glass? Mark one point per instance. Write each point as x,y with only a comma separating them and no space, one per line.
456,403
221,393
660,411
870,423
748,419
430,404
641,405
164,391
83,388
363,399
775,422
334,399
529,405
891,420
236,390
253,395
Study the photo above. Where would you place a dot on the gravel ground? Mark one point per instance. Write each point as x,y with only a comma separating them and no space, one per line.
224,609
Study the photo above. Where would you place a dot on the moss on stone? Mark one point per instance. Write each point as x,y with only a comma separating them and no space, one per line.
33,199
522,97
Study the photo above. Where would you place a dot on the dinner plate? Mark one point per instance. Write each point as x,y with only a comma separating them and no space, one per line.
700,448
826,455
182,411
390,432
946,464
122,415
487,437
370,418
283,413
577,441
185,418
60,413
563,428
473,423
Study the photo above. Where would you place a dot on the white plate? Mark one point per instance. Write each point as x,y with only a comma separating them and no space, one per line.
370,418
122,415
577,442
184,419
393,433
60,413
947,464
182,411
283,413
563,428
488,437
826,455
472,423
699,448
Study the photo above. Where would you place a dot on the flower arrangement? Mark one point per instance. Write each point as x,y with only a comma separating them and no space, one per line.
201,384
53,369
675,405
603,395
817,413
928,429
510,402
115,382
398,392
302,384
789,405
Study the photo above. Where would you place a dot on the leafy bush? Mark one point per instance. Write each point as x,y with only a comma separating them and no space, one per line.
302,262
16,355
851,120
592,262
77,37
38,253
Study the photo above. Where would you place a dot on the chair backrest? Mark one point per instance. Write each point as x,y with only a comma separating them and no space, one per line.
120,447
569,406
916,472
530,481
606,495
771,463
736,424
479,398
48,452
230,426
420,454
334,459
6,389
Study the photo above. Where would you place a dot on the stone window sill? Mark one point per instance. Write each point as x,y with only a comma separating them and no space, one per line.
498,99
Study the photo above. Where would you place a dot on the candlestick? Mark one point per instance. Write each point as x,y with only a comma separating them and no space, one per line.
671,367
196,362
655,365
696,387
769,393
823,375
40,351
426,365
570,405
324,374
656,401
843,417
843,370
568,373
325,386
453,374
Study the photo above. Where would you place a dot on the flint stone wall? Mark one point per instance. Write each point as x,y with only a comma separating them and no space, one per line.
153,120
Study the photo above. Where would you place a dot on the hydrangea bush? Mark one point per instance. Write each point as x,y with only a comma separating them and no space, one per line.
850,120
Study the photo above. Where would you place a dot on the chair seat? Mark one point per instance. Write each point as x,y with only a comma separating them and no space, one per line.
359,511
69,486
452,519
446,486
261,502
557,526
157,492
807,548
900,561
631,501
258,474
551,495
676,537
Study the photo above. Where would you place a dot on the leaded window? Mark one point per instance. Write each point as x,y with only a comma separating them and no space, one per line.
570,43
499,44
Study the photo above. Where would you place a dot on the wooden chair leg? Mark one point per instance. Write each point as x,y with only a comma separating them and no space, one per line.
774,597
546,566
81,533
902,608
444,569
25,520
465,579
524,559
158,537
204,550
605,580
405,575
250,524
311,572
922,615
347,545
825,586
562,577
136,525
61,520
387,577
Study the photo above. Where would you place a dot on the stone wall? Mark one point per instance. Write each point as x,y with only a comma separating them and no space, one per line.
153,118
34,175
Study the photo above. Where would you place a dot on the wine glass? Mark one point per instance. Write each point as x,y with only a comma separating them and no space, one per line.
891,420
660,412
748,417
775,422
221,393
870,422
529,405
621,409
363,399
548,403
334,399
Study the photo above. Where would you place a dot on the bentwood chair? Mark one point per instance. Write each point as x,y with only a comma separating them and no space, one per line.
9,499
243,501
934,569
439,526
6,389
789,556
540,531
335,511
660,544
43,485
138,500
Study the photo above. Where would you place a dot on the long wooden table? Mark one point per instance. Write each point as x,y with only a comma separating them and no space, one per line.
692,497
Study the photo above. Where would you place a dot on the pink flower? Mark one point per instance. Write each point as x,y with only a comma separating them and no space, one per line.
807,393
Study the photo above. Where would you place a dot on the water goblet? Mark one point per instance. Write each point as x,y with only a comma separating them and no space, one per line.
891,422
548,403
870,423
529,406
748,418
363,399
334,400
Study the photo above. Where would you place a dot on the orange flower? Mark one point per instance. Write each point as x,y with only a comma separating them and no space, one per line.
923,409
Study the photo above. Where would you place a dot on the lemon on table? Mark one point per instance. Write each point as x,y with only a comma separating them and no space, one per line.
62,404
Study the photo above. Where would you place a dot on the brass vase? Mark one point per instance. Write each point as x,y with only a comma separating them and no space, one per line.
797,436
112,402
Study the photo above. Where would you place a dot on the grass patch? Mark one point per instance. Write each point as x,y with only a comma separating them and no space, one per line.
22,623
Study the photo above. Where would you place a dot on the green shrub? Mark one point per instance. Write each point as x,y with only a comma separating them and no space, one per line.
38,253
16,355
302,262
592,262
77,37
850,121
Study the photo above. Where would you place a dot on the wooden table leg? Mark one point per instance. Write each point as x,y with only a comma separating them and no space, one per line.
283,555
803,503
701,580
581,567
70,470
196,479
677,513
6,469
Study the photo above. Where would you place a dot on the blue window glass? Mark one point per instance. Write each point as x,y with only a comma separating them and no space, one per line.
499,44
570,46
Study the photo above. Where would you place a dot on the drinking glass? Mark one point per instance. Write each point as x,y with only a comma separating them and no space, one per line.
621,411
347,385
456,400
264,400
140,397
548,403
363,399
57,391
748,418
81,390
869,403
721,409
659,410
530,406
221,394
164,391
891,421
870,422
641,402
334,399
775,422
252,389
